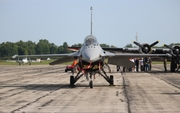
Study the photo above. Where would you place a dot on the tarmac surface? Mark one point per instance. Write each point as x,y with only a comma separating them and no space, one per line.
45,89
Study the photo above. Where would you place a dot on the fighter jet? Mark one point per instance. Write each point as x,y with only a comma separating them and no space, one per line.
24,61
91,57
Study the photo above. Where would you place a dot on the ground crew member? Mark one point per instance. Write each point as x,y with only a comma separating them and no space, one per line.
118,68
141,64
149,64
74,64
137,64
165,64
146,64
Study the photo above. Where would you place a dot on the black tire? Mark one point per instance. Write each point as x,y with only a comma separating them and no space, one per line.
91,84
173,66
65,70
72,80
111,80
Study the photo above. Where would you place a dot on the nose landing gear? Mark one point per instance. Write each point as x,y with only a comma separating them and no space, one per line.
101,71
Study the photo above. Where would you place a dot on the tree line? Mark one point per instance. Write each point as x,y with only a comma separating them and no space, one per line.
8,49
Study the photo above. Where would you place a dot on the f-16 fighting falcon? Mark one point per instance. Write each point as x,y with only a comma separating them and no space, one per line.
91,59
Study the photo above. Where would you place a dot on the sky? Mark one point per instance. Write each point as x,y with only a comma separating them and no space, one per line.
115,22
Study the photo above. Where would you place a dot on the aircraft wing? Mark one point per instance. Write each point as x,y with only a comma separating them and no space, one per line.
62,60
40,55
154,50
113,49
46,55
64,57
122,59
137,50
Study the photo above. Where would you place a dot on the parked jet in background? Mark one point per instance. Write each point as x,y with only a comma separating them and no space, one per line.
92,59
24,61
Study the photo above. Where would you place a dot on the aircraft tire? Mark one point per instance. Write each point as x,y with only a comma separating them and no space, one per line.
91,84
111,80
173,66
65,70
72,80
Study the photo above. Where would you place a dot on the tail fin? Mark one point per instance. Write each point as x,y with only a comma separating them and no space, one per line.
91,19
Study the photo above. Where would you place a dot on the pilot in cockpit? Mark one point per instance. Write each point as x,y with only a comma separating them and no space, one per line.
90,41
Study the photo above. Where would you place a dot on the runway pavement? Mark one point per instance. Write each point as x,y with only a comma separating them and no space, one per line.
46,89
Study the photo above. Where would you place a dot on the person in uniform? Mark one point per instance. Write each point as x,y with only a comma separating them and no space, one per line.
137,64
165,64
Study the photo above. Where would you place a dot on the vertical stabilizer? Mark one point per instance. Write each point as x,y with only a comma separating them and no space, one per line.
91,19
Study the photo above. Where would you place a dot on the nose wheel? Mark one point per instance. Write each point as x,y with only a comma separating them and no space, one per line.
91,84
72,80
111,80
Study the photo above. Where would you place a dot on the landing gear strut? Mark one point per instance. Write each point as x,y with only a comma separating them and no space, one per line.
74,79
90,72
109,79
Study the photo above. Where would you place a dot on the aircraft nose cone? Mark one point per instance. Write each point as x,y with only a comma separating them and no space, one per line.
90,55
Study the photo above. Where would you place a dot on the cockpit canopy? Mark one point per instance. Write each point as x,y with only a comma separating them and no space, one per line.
90,40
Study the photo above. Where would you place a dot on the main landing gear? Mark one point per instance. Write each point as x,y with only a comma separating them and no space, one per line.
74,79
110,80
175,65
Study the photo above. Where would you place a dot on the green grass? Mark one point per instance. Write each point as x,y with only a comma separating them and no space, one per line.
159,62
44,62
3,62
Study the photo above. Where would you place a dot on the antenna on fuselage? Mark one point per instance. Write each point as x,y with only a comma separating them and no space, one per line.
91,19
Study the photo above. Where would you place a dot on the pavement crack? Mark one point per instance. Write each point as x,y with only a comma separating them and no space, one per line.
47,103
126,95
18,109
1,98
